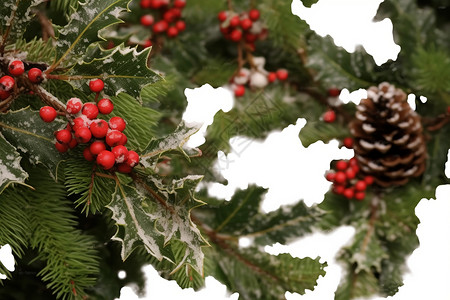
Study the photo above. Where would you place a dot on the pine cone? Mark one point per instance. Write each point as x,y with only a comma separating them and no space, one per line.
389,144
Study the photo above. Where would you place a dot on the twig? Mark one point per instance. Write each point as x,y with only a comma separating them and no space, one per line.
230,5
47,28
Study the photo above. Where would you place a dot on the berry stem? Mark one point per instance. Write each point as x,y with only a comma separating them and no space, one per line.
230,5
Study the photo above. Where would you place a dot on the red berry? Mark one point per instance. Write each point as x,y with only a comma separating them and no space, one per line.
74,106
105,106
330,176
250,37
96,85
222,16
133,158
114,138
96,147
349,193
123,140
334,92
179,3
282,74
448,109
35,75
4,94
147,20
61,147
83,135
360,196
7,83
348,142
236,35
124,168
338,189
360,186
350,173
78,123
272,76
16,68
147,43
117,123
172,32
180,25
169,16
120,153
340,177
355,168
63,136
73,143
369,179
253,14
246,24
341,165
88,155
160,27
47,113
90,110
329,116
234,21
106,159
352,162
239,91
99,128
146,4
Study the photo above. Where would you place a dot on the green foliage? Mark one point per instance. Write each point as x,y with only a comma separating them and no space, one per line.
10,171
319,130
25,130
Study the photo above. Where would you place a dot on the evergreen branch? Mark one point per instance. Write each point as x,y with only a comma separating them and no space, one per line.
8,27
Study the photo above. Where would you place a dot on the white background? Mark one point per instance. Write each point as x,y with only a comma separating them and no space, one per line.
349,22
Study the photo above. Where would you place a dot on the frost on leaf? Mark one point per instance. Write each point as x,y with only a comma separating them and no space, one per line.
82,30
25,130
10,169
158,216
16,14
173,142
123,70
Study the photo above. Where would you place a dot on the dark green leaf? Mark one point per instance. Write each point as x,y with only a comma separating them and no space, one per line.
10,169
315,131
82,30
25,130
155,214
123,70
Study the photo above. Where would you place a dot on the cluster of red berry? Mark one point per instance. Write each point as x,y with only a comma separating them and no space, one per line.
258,78
106,139
245,26
345,182
166,19
16,68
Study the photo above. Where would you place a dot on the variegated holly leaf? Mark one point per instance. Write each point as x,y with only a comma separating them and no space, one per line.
82,30
172,142
15,15
123,70
10,169
158,215
25,130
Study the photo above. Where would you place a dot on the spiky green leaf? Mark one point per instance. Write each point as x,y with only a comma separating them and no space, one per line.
82,30
155,214
10,168
25,130
314,131
123,70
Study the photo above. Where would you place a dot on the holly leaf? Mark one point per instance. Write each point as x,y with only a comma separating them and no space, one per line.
335,67
82,30
255,274
16,15
10,169
123,70
158,215
25,130
314,131
172,142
